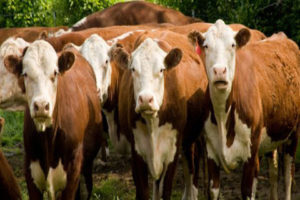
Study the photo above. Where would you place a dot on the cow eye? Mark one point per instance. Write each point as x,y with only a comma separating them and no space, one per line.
132,69
106,61
162,70
205,46
55,73
233,45
24,74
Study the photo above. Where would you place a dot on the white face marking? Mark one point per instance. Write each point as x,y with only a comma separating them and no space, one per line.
38,175
273,176
11,96
254,185
190,191
288,160
60,32
220,50
80,22
238,151
156,145
40,77
95,50
57,180
148,78
121,145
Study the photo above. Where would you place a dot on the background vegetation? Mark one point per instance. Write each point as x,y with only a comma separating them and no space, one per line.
268,16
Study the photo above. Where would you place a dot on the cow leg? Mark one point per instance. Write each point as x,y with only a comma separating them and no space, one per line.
140,176
168,179
73,175
33,192
289,158
190,190
273,175
214,179
249,179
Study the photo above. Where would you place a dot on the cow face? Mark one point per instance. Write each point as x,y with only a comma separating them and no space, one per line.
11,94
96,51
219,45
147,66
39,68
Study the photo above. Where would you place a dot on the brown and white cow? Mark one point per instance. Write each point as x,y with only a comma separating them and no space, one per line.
11,95
59,142
9,189
254,95
133,13
160,102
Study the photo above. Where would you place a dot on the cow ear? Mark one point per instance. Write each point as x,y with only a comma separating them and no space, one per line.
13,64
65,61
43,35
173,58
196,38
242,37
120,56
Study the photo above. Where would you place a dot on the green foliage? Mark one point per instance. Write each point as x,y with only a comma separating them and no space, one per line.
13,129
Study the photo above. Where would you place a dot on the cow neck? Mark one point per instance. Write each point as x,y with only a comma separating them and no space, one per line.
112,99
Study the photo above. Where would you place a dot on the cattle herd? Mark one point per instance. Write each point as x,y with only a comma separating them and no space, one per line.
168,87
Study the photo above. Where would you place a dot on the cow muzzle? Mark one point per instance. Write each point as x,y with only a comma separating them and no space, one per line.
41,115
146,105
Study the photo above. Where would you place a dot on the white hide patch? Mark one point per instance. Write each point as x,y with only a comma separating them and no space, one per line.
156,145
190,191
238,151
254,186
288,176
80,22
121,145
123,36
95,50
214,192
56,179
148,79
266,143
11,96
38,175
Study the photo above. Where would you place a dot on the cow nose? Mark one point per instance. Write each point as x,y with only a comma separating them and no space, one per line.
41,106
145,99
220,70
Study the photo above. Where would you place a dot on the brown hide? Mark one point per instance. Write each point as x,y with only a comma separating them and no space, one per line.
29,34
133,13
75,132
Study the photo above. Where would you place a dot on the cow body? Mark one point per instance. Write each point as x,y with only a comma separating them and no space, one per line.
64,144
254,103
157,129
133,13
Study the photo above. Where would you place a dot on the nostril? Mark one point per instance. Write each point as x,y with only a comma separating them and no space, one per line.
47,107
224,71
151,100
215,71
36,106
140,99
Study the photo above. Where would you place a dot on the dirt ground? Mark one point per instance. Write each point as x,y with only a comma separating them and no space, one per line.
119,168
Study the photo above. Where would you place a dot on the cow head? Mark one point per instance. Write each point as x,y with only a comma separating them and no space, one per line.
96,51
147,64
39,68
218,46
11,95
